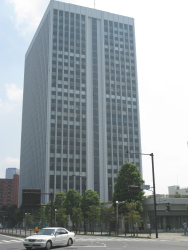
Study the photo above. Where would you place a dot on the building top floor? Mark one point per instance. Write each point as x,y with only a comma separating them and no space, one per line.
175,190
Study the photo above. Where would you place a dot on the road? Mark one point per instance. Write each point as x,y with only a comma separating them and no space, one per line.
103,243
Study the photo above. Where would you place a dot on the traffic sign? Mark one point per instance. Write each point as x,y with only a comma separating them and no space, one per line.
145,187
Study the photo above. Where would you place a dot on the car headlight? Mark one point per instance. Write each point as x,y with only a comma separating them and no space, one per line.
40,240
26,240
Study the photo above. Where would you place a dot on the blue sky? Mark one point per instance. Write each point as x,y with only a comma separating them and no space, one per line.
162,58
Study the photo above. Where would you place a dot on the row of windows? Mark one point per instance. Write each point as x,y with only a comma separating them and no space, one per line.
66,49
63,168
72,44
5,201
118,43
78,115
68,14
70,85
71,103
65,140
116,133
121,161
70,148
119,93
112,24
64,184
69,27
71,134
69,73
7,184
69,56
5,197
67,151
123,86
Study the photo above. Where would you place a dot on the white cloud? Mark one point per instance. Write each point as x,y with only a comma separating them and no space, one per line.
27,14
13,92
13,100
11,162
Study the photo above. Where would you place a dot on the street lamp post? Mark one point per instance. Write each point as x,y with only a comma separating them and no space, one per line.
117,224
55,216
51,205
154,193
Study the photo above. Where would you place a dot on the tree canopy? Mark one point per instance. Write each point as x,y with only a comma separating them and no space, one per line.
127,176
73,200
89,199
60,198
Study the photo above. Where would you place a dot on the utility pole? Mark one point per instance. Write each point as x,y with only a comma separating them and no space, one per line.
154,193
117,224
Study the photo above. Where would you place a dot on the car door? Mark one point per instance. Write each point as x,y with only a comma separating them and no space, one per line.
65,236
58,237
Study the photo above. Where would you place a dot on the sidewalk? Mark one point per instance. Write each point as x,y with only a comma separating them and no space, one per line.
161,235
171,236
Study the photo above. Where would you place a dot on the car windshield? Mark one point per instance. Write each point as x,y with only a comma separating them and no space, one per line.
46,231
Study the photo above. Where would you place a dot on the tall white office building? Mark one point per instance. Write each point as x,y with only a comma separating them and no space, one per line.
80,104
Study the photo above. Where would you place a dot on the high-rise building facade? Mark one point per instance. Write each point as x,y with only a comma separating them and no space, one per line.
80,104
10,172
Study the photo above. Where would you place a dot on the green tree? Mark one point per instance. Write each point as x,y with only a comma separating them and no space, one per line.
58,204
93,215
60,198
108,217
61,217
41,217
9,215
77,217
128,175
73,200
132,217
186,205
28,220
89,198
49,214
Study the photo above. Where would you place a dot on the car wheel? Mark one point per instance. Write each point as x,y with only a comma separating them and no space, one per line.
69,242
48,245
28,248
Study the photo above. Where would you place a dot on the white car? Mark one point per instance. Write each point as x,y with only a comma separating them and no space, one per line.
49,237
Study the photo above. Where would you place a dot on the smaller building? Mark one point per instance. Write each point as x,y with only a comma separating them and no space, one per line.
167,219
9,191
10,172
175,190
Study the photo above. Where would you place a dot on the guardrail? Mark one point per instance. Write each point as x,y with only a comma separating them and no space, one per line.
22,232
